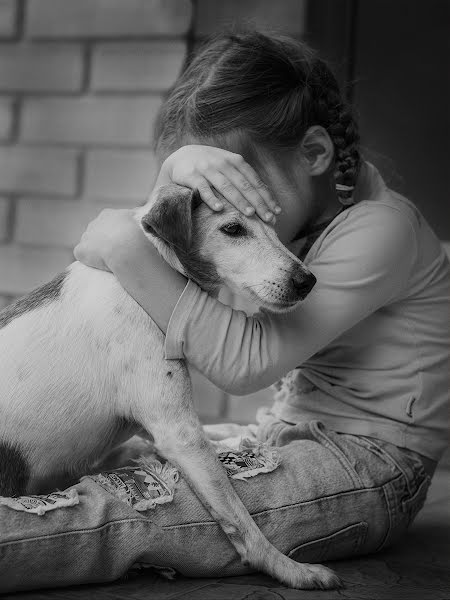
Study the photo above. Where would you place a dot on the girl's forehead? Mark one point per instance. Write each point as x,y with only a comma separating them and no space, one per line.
259,155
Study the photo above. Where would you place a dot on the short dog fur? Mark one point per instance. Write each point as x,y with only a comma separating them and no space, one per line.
83,368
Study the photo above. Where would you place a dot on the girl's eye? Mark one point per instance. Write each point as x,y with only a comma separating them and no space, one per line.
233,229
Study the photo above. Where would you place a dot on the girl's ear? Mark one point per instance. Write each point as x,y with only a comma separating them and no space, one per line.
318,150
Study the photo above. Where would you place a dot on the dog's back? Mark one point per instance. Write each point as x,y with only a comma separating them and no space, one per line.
68,353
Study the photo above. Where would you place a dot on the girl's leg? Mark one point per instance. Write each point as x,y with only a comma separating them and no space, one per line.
332,496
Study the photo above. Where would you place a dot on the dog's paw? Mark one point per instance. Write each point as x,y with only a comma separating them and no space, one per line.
314,577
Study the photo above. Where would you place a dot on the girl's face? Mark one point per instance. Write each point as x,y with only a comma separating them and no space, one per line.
303,199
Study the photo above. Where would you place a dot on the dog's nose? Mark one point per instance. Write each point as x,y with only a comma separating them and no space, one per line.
303,284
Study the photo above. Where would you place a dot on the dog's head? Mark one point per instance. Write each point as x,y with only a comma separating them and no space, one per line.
224,248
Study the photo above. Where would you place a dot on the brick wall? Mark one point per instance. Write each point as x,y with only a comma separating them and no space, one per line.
80,84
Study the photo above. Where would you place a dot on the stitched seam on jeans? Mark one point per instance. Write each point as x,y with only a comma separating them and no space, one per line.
195,524
361,527
334,448
74,531
286,506
362,537
388,510
393,461
424,484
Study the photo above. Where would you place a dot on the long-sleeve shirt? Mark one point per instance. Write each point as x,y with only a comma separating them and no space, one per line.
372,338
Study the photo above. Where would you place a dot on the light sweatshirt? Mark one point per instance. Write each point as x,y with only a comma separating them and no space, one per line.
372,338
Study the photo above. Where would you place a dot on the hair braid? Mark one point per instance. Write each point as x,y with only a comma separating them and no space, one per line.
345,137
332,113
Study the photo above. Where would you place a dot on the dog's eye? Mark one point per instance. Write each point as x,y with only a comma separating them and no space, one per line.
233,229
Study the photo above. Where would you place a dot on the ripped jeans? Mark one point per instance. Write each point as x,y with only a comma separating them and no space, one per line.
332,496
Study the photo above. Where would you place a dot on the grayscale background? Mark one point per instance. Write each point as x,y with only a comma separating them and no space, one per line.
80,84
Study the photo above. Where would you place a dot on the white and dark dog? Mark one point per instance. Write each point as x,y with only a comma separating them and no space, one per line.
82,367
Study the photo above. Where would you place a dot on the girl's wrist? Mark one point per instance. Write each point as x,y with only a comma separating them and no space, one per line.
112,259
125,243
164,175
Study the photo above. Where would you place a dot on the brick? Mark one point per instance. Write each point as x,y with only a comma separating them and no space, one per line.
137,67
54,222
49,222
24,268
99,120
287,16
107,18
120,175
8,11
6,119
38,170
4,219
40,68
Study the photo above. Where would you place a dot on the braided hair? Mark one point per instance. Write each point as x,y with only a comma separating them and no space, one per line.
265,87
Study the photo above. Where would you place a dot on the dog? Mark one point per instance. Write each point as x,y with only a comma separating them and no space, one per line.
83,367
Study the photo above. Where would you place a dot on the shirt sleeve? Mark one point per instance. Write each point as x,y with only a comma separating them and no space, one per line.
361,265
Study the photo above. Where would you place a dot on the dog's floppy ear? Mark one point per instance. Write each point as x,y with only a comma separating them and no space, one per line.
170,216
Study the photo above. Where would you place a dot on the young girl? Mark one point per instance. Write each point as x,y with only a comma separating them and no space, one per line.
360,367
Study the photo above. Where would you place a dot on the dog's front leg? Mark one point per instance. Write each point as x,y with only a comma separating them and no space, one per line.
184,444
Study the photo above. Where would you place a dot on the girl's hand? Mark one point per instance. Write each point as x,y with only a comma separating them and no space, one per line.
200,167
113,233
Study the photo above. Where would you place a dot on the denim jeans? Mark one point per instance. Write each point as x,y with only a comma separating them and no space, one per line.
332,496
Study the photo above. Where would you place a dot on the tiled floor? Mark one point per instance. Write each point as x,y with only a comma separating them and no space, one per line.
418,568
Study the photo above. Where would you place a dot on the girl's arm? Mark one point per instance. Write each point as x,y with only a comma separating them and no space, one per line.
363,262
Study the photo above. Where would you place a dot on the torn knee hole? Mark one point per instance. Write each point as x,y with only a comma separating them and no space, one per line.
142,487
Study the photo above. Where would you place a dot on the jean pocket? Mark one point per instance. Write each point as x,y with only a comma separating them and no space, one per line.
378,452
344,543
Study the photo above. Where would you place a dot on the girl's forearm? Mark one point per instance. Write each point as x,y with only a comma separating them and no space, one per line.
150,280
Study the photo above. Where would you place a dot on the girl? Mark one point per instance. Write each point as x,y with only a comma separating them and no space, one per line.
359,367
